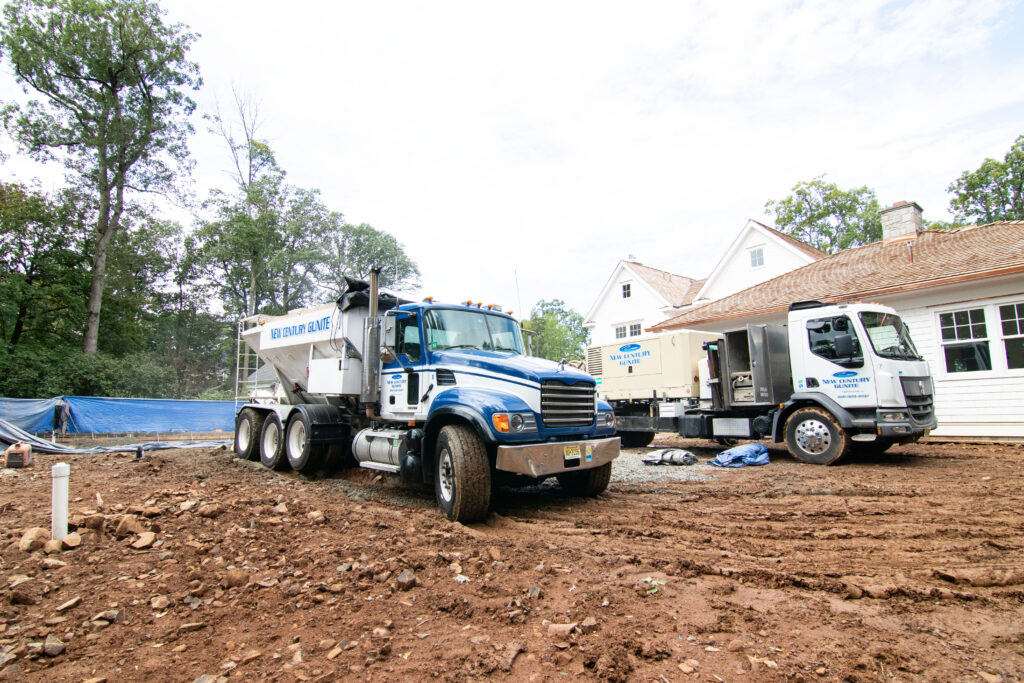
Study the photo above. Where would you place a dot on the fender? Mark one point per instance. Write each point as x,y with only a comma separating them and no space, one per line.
477,406
844,416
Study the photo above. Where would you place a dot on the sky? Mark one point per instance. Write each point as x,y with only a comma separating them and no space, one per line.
519,150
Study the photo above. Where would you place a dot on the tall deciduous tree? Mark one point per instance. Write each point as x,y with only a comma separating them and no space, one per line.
113,78
354,250
827,217
559,331
994,192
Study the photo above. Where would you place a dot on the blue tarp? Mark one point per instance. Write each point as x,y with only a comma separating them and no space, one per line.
742,455
89,414
31,414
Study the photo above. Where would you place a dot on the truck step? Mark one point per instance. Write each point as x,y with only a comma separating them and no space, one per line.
385,467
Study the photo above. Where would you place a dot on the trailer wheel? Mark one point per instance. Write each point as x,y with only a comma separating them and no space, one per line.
636,439
248,425
814,436
586,483
272,444
462,478
302,455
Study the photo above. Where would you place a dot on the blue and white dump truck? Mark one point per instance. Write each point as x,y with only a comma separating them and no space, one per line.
835,377
437,393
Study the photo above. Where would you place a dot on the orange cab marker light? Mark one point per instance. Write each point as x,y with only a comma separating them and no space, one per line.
411,423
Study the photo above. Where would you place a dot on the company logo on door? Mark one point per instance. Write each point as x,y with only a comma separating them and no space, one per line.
845,373
629,354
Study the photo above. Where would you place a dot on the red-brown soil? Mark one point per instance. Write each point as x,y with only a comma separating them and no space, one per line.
903,567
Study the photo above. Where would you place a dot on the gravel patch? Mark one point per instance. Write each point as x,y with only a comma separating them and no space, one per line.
630,468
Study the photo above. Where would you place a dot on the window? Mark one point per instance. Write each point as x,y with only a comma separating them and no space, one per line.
634,330
409,338
965,340
620,332
821,335
625,291
757,257
1012,318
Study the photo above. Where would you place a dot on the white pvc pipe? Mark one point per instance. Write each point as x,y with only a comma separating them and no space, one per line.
60,473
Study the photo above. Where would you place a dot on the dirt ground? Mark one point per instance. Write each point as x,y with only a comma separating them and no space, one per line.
903,567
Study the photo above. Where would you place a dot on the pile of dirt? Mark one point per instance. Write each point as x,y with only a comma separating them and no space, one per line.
191,563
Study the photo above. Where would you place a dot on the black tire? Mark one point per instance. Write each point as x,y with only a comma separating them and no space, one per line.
462,478
302,455
586,483
869,448
248,426
636,439
272,443
814,436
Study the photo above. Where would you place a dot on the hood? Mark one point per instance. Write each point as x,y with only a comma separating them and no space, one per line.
523,367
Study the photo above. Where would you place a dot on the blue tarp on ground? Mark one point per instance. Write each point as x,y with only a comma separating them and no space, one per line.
90,414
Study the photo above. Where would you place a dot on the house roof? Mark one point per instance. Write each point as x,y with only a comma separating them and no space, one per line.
677,290
932,259
813,252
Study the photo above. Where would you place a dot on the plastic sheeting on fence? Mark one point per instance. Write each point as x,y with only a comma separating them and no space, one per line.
31,414
10,434
88,414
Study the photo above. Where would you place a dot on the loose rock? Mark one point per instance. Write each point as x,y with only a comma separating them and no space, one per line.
72,540
145,540
53,646
33,539
406,579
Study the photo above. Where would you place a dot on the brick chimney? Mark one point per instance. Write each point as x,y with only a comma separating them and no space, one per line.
902,220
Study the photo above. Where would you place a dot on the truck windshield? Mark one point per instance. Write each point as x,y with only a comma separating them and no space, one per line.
889,336
454,329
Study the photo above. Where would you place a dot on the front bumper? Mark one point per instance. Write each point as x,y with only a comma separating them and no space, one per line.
544,459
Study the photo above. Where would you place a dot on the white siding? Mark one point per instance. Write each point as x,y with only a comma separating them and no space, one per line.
988,403
736,274
643,306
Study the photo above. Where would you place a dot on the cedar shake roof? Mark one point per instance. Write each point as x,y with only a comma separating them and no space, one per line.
675,289
932,259
813,252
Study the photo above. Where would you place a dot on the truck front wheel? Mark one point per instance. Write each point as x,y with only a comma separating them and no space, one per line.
814,436
247,434
462,478
586,483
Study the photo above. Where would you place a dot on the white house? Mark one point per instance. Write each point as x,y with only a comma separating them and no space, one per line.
637,297
961,293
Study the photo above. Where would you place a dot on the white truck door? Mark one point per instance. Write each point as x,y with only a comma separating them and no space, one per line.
819,364
402,380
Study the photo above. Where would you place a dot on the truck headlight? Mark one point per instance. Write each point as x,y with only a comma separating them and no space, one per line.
606,420
514,423
894,417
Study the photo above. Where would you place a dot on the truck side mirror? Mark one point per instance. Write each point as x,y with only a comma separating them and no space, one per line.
390,330
844,345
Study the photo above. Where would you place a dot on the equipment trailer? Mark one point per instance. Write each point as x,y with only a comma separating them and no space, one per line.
836,377
437,393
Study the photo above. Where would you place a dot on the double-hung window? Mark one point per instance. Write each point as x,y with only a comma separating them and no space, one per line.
965,341
620,332
1011,317
634,330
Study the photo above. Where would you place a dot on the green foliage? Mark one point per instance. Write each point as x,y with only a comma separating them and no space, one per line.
827,217
994,192
33,372
354,250
113,79
559,331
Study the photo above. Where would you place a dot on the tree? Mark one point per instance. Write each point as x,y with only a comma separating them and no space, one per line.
42,271
559,331
354,250
114,78
826,217
994,192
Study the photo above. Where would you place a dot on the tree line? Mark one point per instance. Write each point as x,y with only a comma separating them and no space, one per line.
100,295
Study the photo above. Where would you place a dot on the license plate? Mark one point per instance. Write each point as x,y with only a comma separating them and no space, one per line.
571,452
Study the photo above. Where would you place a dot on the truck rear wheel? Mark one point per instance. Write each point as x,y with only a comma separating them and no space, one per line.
462,478
248,426
302,455
272,443
636,439
814,436
587,483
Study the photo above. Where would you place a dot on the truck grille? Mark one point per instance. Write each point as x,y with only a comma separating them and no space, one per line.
566,405
918,392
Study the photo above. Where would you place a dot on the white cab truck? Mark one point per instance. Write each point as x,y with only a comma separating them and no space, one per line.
437,393
836,377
